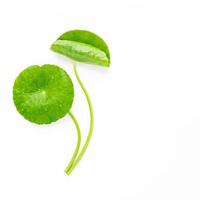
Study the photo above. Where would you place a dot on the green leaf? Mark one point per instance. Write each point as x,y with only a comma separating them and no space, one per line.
43,94
83,46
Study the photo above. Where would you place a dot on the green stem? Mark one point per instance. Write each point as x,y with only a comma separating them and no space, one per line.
91,123
78,142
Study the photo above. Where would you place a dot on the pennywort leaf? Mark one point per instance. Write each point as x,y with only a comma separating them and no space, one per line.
83,46
43,94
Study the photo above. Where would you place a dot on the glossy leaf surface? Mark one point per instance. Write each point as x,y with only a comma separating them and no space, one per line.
43,94
83,46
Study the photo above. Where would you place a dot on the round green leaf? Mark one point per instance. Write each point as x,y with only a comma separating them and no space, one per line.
43,94
83,46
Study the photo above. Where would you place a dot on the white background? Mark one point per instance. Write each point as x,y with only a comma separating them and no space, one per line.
146,142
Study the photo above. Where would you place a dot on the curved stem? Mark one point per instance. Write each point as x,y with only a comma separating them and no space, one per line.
91,123
78,142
